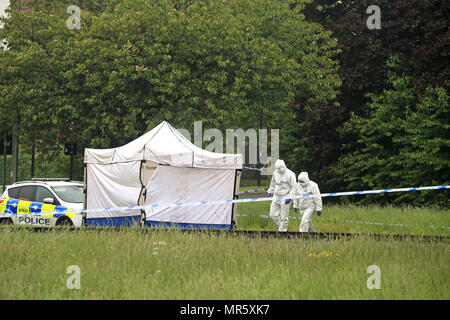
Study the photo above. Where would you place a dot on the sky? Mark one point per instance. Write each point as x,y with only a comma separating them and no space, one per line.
3,5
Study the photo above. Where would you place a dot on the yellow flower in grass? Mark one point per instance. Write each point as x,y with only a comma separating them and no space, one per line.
323,254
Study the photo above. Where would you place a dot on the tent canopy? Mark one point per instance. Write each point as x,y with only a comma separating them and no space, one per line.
161,167
164,145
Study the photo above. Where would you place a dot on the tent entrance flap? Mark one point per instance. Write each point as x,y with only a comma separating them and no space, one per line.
147,171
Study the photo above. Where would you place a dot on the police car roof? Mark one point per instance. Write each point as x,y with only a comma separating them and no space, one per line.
50,182
63,183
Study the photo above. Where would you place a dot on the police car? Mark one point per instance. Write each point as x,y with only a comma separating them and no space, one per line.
39,201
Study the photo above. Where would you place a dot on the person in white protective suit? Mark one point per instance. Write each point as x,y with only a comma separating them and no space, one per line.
282,183
309,205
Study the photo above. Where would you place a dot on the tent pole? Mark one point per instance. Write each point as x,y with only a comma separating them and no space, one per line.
235,196
85,195
143,188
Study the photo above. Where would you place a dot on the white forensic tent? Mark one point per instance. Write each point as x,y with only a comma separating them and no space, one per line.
161,167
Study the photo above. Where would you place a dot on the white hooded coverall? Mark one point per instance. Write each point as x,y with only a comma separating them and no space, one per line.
308,206
282,183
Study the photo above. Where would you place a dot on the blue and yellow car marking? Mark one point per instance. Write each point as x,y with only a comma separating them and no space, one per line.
26,211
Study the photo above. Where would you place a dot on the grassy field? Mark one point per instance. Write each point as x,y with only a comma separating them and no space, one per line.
352,218
171,264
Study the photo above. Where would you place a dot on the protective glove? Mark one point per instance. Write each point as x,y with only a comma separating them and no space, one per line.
319,213
269,195
287,201
295,210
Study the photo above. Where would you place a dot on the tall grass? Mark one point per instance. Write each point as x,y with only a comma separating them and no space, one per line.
170,264
358,219
131,263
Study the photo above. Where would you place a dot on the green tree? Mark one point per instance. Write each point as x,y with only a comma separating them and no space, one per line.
315,87
134,63
405,142
415,30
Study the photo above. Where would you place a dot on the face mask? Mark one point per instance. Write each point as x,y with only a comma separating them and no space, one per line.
304,184
282,170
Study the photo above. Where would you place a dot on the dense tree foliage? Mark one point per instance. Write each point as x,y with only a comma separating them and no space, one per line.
140,62
414,30
311,68
404,141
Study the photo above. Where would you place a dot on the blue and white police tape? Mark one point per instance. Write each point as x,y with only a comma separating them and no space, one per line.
250,168
393,224
255,190
360,222
207,203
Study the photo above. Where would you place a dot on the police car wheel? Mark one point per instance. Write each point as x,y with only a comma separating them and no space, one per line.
6,221
64,221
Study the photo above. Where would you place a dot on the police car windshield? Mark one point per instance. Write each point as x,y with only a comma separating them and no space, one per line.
72,193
